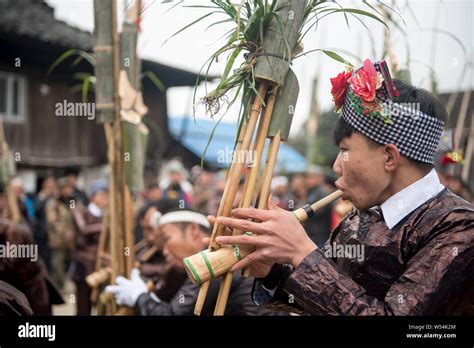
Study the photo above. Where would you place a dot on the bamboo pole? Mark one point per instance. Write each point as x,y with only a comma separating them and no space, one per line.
248,193
6,174
232,182
104,235
267,176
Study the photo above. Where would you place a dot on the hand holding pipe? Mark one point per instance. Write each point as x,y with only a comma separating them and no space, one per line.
207,265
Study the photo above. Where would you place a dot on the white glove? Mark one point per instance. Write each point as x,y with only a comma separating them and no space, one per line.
127,291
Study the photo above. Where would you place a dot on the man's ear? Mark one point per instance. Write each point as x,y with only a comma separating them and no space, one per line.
392,157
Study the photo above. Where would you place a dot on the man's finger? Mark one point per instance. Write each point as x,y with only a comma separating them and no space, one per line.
243,225
252,213
211,219
239,240
246,261
206,240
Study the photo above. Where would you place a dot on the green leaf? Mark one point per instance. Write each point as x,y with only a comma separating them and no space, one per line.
210,140
85,89
187,26
362,13
330,54
70,53
156,81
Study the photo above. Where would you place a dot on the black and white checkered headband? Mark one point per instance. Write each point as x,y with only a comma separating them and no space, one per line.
415,134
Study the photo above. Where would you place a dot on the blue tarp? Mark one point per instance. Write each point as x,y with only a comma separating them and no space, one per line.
194,135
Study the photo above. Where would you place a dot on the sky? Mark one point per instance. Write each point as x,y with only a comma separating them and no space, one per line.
446,50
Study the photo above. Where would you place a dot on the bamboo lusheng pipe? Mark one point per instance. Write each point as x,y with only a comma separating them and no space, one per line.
6,173
267,178
262,199
232,182
249,192
98,277
205,265
103,237
147,255
129,238
205,287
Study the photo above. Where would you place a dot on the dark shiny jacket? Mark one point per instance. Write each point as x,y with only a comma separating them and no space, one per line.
423,266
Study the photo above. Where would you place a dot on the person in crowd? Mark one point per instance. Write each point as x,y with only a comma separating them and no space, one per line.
204,187
279,190
319,227
61,230
40,228
298,192
174,183
77,193
13,302
88,221
26,201
166,277
28,273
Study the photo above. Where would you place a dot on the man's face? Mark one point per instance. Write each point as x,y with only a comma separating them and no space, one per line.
49,185
313,180
65,191
72,179
101,199
154,194
176,177
361,167
179,244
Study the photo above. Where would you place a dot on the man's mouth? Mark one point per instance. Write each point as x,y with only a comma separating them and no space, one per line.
339,187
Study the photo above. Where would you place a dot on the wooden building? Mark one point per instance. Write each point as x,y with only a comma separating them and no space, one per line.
45,143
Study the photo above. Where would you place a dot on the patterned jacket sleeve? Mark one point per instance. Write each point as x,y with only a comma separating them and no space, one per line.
438,280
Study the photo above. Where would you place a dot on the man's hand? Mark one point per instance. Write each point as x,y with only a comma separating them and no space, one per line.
280,238
257,269
127,291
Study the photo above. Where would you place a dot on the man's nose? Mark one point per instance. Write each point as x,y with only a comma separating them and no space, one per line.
337,166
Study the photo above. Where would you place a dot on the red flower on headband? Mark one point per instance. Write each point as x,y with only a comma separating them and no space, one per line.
339,87
366,81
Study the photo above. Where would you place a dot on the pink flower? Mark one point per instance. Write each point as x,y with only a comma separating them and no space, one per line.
339,87
366,81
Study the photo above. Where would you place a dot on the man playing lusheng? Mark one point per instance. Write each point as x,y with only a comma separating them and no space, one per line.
183,232
416,236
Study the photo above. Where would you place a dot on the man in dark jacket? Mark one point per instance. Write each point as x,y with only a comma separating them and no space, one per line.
183,232
88,221
26,273
407,248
